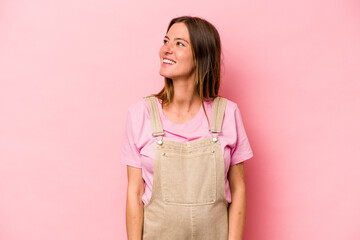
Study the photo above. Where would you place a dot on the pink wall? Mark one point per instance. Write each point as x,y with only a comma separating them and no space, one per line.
69,70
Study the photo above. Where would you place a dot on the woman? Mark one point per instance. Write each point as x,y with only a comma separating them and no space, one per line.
185,170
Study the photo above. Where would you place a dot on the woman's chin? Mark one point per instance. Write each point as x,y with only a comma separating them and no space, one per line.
165,75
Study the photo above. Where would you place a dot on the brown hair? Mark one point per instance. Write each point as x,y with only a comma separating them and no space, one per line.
206,48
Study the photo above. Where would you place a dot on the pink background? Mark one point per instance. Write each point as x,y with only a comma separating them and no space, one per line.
70,69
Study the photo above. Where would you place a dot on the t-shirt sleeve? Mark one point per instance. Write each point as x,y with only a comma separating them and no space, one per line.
130,154
242,149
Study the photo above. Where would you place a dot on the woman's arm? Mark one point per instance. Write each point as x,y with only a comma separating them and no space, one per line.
134,204
238,202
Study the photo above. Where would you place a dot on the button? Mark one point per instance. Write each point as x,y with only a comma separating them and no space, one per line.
213,151
214,139
163,154
159,142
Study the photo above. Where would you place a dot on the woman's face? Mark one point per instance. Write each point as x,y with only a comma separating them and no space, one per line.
177,54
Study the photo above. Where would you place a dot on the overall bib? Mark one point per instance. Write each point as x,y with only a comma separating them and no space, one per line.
188,193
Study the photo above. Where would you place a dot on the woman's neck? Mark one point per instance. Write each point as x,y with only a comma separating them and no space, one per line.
185,97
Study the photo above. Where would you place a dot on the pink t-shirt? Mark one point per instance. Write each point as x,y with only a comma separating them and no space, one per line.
138,147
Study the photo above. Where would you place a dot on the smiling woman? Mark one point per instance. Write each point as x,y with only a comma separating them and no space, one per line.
185,171
176,54
196,44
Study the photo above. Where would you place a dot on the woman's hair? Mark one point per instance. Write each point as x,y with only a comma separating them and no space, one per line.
206,49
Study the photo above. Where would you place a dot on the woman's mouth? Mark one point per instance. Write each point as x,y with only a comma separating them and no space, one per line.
168,61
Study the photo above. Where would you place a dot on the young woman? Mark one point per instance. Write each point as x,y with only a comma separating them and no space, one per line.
185,146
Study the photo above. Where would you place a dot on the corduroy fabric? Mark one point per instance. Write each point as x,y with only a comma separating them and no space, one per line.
154,116
188,193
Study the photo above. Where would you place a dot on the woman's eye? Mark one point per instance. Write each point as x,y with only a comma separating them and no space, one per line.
179,43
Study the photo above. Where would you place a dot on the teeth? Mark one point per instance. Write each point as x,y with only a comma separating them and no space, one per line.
168,61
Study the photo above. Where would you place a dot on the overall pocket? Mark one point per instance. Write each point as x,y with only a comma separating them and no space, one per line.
188,179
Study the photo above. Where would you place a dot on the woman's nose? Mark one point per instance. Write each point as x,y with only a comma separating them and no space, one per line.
168,48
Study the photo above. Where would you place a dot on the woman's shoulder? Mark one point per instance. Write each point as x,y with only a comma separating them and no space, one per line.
231,106
138,107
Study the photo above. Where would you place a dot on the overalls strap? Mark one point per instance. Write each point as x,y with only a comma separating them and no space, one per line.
218,111
157,129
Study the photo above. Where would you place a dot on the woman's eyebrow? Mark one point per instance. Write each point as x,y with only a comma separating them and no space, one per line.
177,39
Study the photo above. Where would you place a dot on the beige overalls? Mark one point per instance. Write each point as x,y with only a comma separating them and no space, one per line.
188,193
